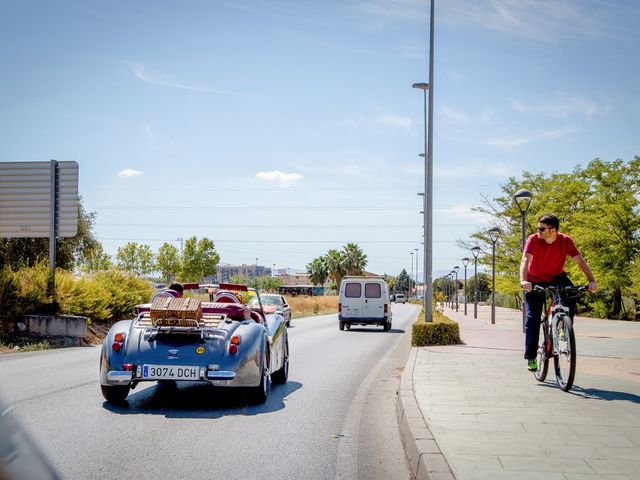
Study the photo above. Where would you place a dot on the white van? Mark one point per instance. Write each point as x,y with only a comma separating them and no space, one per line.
364,301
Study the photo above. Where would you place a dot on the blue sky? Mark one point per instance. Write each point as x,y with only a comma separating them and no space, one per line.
281,129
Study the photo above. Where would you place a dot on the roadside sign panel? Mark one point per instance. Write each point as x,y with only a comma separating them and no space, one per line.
26,198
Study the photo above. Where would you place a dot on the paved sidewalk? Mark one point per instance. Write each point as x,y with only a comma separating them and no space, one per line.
473,411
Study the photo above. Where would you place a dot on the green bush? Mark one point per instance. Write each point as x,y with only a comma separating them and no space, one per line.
82,296
109,295
126,291
442,331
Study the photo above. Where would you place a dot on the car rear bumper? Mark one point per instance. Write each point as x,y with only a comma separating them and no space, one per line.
364,320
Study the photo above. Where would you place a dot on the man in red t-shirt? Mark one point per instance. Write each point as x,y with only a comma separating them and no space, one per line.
543,260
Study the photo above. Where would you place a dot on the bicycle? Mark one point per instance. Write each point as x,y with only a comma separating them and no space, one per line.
557,338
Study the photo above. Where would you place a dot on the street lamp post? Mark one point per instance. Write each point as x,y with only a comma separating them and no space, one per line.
455,286
494,233
523,200
465,262
411,277
256,274
428,176
475,251
416,250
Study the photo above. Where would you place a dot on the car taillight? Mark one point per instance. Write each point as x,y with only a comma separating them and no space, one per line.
118,340
386,308
233,349
339,307
235,340
128,367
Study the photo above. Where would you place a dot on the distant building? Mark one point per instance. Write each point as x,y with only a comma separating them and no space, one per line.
225,272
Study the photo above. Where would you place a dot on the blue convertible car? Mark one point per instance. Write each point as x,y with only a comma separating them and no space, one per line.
224,342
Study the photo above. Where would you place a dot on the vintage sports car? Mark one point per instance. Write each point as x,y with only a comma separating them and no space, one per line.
274,303
225,342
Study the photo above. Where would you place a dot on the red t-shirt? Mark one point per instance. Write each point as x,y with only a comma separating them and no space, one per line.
548,259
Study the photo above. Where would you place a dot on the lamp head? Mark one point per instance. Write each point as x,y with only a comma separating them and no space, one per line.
523,199
475,251
494,233
455,269
465,261
421,86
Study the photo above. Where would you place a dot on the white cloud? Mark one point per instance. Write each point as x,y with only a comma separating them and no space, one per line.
465,212
394,121
518,141
141,73
540,20
284,179
129,172
454,117
563,106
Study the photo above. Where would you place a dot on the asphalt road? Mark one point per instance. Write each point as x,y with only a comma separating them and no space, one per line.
334,418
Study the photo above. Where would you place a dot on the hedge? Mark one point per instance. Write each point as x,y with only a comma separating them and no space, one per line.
442,331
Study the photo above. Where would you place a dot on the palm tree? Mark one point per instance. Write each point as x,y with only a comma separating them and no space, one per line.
354,260
335,266
317,271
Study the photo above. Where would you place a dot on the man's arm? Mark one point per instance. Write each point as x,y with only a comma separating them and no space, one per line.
524,268
593,285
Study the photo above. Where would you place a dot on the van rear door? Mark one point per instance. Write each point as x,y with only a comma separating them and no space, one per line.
373,301
352,301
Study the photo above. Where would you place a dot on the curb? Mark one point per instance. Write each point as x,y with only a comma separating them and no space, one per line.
426,461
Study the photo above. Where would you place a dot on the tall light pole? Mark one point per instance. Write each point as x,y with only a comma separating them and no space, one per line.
475,251
416,250
428,177
451,290
256,274
455,287
523,200
411,277
273,270
465,262
181,240
494,233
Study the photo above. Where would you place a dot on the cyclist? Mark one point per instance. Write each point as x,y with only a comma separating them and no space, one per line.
543,261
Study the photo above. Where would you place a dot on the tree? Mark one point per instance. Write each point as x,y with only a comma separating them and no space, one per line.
97,260
335,266
354,260
317,271
135,258
168,261
403,283
597,205
268,284
199,259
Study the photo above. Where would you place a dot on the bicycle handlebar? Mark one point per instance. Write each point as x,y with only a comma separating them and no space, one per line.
559,288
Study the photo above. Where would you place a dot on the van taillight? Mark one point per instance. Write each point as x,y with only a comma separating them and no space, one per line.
385,308
339,307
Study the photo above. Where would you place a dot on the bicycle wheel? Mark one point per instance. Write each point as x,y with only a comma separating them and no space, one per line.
565,358
542,358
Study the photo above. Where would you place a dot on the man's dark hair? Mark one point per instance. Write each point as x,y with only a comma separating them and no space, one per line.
550,219
177,287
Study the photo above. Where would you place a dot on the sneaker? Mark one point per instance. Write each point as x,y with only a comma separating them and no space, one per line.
532,365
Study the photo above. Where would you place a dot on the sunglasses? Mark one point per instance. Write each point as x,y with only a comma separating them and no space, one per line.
542,229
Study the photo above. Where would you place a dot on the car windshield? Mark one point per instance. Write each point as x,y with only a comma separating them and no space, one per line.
270,300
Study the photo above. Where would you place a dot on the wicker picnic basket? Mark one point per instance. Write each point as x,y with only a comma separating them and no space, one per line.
178,312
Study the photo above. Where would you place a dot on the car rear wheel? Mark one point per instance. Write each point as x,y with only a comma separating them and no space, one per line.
341,325
258,395
281,376
115,393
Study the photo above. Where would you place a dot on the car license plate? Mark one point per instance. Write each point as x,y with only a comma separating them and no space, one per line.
169,372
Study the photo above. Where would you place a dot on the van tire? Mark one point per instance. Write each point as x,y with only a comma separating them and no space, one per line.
341,325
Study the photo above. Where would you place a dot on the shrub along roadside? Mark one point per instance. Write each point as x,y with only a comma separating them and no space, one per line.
442,331
107,296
